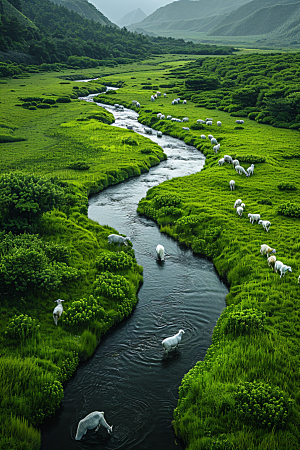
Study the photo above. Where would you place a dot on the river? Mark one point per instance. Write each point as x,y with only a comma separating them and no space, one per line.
129,377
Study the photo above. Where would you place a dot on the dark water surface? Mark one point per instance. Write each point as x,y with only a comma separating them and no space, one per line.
129,378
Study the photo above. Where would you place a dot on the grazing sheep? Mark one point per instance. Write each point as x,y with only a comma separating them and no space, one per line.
266,250
165,94
200,121
138,105
219,123
117,239
210,136
250,169
208,119
254,217
243,205
240,122
158,115
239,210
134,102
152,98
237,203
93,420
203,136
216,148
282,268
221,162
228,159
232,185
159,134
185,119
160,251
172,342
58,310
169,117
271,261
209,122
184,102
240,170
265,223
235,162
214,141
158,94
186,128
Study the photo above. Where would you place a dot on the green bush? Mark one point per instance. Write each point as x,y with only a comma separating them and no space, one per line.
286,187
53,393
22,327
262,405
166,200
82,312
130,140
114,261
49,101
43,106
187,222
289,209
78,165
111,286
251,159
63,100
245,322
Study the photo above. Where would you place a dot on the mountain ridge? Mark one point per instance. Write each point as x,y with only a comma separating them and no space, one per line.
137,15
86,10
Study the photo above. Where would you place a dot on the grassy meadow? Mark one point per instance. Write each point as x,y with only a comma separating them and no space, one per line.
245,394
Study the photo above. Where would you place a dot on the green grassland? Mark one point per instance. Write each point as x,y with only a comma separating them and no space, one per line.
257,336
199,211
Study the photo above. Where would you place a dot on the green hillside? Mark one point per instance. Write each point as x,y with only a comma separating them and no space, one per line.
85,9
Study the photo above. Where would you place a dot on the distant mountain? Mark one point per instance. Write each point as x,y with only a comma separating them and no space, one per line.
86,10
172,14
256,17
132,17
7,9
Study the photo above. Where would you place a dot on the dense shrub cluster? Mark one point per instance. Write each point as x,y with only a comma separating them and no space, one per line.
245,321
83,312
27,262
22,327
114,261
262,405
79,165
287,187
251,159
289,209
111,286
185,223
166,200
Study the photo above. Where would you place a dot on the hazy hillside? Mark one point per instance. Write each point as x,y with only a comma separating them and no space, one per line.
85,9
8,10
132,17
186,10
276,19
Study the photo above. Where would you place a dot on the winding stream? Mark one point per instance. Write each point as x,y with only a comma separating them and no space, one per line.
128,377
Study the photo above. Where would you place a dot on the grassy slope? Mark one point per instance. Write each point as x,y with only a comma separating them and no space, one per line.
272,355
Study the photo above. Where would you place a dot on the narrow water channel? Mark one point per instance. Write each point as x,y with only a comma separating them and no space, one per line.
128,377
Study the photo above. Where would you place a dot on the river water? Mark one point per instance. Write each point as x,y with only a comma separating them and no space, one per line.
129,377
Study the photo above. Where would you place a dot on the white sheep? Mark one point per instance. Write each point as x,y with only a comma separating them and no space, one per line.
169,117
159,134
160,251
240,170
237,203
235,162
282,268
93,420
152,98
208,119
148,130
239,122
254,217
213,141
184,102
138,105
232,185
271,261
200,121
117,239
209,122
158,93
210,136
58,310
265,223
219,123
162,117
216,148
266,250
203,136
243,205
185,119
134,102
250,169
239,210
158,115
228,159
172,342
186,128
165,94
221,162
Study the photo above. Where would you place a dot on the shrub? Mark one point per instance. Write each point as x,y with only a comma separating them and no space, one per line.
53,395
261,405
147,151
130,140
22,327
82,312
114,261
187,222
79,165
43,106
251,159
289,209
245,321
166,200
286,187
63,100
112,286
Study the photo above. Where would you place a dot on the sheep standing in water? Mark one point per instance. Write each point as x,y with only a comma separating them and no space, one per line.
93,420
172,342
160,251
58,310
